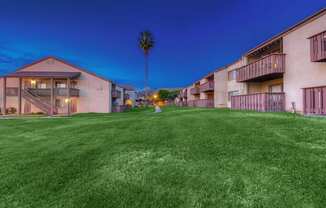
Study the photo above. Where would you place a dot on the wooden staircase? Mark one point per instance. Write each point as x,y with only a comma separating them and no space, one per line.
36,100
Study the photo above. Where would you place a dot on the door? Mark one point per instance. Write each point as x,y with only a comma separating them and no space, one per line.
73,105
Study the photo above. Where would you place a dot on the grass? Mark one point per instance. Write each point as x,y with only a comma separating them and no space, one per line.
180,158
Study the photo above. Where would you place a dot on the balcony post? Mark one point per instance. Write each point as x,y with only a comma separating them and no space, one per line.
19,96
4,96
68,95
52,97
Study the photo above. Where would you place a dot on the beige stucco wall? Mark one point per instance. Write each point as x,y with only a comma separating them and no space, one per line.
95,93
189,95
233,85
203,95
220,88
300,71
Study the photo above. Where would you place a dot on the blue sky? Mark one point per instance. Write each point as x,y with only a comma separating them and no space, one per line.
192,37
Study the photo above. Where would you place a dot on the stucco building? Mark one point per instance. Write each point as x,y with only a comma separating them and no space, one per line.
284,73
53,86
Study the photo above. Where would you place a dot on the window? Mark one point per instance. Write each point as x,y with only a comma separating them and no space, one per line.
60,84
276,88
232,93
232,75
41,85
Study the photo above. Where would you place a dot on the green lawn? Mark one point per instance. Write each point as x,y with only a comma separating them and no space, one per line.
180,158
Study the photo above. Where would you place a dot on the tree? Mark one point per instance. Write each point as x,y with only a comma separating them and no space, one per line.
168,95
173,94
146,43
163,94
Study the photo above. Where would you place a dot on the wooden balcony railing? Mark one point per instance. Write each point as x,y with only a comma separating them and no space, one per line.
264,102
314,100
207,87
182,103
202,103
269,67
12,91
318,47
73,92
194,91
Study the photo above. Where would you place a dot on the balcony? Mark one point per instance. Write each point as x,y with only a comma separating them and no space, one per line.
267,68
116,94
194,91
318,47
263,102
207,87
57,92
203,103
12,91
45,92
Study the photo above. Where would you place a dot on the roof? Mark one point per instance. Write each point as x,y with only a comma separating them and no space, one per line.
47,74
64,62
296,26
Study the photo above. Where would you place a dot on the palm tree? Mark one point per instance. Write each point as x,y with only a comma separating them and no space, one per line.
146,43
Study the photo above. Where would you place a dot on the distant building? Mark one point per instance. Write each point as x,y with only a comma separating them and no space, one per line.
53,86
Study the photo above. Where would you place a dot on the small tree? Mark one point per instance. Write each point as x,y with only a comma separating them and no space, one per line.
168,95
163,94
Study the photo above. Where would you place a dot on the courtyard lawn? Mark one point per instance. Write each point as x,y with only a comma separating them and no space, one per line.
183,157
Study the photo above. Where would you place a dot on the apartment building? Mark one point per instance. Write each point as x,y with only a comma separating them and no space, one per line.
284,73
201,93
53,86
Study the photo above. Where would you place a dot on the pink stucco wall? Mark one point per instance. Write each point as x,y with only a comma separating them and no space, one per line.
220,88
300,72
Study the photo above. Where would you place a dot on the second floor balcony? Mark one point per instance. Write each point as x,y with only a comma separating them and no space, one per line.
45,92
207,87
266,68
195,91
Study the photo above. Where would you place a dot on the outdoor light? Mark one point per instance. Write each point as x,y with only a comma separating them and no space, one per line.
67,100
155,96
128,102
33,82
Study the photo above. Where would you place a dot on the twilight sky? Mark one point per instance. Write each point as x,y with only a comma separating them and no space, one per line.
192,37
